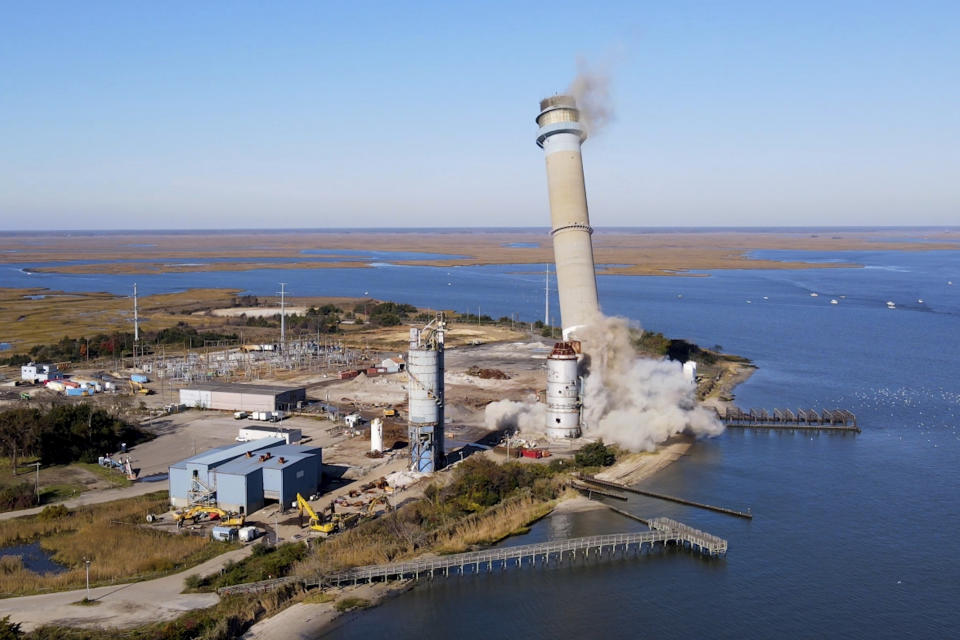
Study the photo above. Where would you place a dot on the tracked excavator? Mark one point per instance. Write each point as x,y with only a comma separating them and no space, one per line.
316,522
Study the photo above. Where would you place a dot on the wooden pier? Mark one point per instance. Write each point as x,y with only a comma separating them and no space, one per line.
662,496
804,419
663,533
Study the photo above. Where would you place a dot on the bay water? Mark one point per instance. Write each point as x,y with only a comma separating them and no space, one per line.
852,535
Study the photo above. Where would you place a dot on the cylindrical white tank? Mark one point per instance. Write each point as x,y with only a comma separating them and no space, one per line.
563,392
376,435
560,136
426,385
690,371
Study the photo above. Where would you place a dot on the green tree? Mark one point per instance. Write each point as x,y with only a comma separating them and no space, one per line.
595,454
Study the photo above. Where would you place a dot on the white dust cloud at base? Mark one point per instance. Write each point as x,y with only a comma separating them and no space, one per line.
635,403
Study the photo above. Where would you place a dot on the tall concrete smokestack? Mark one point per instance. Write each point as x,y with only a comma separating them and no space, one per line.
560,136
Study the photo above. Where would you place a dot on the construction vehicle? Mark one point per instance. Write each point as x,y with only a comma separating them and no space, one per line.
194,513
316,523
369,511
137,388
389,412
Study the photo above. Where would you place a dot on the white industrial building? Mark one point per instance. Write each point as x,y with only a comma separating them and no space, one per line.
393,365
289,436
243,397
34,372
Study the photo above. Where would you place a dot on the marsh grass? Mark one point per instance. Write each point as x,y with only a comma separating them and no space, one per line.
346,604
512,517
111,535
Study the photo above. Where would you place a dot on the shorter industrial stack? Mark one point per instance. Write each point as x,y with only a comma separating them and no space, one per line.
564,399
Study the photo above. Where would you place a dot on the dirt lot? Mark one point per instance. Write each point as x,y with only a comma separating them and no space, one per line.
182,435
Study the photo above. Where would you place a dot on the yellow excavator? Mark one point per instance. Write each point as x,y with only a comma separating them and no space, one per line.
226,518
369,511
138,389
316,522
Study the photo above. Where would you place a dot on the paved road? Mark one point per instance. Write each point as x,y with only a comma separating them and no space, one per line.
96,497
123,605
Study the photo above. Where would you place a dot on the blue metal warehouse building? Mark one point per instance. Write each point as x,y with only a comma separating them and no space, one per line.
242,477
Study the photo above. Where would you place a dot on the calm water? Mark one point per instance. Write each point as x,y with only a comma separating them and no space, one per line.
852,534
34,558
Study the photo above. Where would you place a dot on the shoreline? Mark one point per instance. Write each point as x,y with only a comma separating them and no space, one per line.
307,621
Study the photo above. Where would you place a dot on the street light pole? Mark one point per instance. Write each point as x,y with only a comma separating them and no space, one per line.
37,482
88,577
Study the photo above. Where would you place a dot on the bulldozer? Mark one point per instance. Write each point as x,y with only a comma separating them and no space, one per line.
193,513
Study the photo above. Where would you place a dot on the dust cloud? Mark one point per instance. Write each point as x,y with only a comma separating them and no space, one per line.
636,403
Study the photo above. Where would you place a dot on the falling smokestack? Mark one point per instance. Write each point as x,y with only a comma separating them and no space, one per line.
560,136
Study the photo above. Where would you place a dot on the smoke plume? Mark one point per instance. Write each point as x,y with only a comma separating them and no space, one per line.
528,417
636,403
591,89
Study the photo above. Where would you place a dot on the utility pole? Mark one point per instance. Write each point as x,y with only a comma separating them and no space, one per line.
136,318
546,298
283,317
136,324
37,482
87,562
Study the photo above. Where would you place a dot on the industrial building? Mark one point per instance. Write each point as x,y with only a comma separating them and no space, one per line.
243,397
393,365
243,477
290,436
34,372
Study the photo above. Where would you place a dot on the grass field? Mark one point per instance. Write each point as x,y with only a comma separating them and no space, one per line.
61,481
110,535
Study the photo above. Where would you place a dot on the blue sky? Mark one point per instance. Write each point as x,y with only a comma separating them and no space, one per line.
255,114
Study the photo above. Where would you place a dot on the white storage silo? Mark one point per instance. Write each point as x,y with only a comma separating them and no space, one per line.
563,392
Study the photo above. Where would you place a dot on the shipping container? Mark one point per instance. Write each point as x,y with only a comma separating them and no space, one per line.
225,534
346,375
138,377
532,453
247,534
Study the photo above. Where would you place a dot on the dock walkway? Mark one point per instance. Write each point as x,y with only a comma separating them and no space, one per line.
664,532
803,419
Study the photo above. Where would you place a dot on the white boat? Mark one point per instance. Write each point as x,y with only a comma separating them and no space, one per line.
814,295
834,301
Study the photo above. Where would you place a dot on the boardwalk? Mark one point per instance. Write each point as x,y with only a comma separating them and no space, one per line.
664,533
803,419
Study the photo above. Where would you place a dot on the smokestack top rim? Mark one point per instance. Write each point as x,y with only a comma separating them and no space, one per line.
561,101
